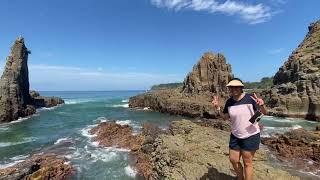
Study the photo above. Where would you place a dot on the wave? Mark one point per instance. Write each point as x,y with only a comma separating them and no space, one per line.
130,171
124,122
268,131
62,140
125,101
25,140
121,105
77,101
85,131
14,160
47,108
4,128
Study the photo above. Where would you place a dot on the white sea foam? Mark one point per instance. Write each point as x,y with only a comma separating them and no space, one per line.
121,105
61,140
296,127
25,140
4,128
102,119
130,171
125,100
77,101
85,131
3,166
95,143
123,122
14,160
46,108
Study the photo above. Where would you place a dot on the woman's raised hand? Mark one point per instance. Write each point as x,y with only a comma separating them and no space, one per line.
259,101
215,102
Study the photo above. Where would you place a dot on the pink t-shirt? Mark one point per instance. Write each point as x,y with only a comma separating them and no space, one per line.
240,112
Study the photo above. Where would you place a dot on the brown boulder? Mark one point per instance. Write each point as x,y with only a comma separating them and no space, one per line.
112,134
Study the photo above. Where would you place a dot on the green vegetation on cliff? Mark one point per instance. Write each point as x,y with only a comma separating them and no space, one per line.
265,83
166,86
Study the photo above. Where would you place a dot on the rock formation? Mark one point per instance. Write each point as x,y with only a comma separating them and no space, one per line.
15,98
297,83
211,74
45,166
209,77
298,148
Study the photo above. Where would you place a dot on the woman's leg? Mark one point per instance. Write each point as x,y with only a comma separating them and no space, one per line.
234,156
247,157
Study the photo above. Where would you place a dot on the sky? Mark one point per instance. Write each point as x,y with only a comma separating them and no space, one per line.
133,44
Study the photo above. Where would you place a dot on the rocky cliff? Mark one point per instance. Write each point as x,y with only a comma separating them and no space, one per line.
15,98
297,83
208,77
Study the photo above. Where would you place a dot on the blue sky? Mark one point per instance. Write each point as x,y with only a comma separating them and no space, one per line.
132,44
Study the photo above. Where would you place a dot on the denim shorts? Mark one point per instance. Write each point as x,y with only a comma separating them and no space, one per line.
248,144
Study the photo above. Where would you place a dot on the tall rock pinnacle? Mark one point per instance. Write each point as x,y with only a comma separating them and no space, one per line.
15,99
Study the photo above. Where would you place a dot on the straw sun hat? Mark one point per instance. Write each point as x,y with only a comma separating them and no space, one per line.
235,83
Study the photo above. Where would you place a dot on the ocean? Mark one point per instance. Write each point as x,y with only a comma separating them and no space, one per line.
64,130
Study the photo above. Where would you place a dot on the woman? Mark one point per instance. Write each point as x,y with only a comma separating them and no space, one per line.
245,136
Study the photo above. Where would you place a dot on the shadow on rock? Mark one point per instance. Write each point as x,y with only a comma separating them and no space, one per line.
213,174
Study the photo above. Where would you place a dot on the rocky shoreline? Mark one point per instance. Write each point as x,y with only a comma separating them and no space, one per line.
186,150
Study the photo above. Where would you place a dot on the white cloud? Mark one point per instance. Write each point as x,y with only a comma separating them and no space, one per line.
53,77
276,51
249,13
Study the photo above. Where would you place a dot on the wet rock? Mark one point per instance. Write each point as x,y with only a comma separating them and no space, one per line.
110,134
297,147
46,166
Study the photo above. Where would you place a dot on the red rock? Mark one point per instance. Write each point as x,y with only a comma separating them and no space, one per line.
46,166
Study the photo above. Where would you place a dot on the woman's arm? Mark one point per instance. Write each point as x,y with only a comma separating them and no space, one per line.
260,103
263,109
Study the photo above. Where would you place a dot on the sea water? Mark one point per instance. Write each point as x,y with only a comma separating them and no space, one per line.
64,130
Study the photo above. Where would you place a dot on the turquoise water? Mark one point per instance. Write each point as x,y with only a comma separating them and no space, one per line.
64,130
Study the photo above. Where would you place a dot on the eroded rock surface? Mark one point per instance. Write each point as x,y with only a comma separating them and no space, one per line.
191,151
297,83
